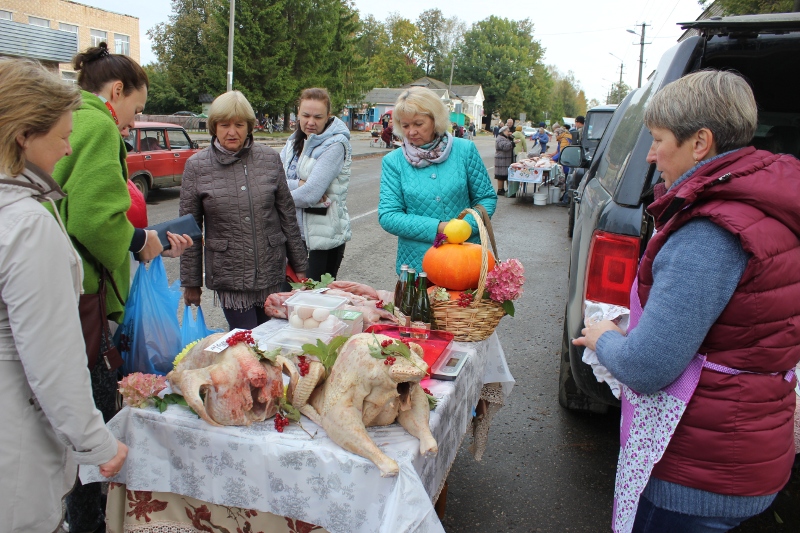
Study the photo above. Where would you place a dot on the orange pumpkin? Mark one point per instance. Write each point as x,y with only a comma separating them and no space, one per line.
455,266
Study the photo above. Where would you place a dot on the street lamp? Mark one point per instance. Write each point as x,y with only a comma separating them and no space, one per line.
641,49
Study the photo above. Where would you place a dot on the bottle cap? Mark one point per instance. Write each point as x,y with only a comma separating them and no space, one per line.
403,267
414,270
423,274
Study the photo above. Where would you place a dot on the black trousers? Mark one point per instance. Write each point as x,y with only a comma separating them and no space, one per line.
245,318
324,262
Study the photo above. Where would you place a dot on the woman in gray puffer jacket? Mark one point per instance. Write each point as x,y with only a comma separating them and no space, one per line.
237,189
316,159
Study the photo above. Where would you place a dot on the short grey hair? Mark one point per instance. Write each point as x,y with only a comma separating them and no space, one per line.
231,105
718,100
419,100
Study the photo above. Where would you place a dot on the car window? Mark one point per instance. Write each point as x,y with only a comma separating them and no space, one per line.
131,139
153,140
597,125
178,140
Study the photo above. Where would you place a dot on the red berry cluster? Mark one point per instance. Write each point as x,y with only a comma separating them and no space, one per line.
389,360
280,422
303,364
465,299
379,304
386,343
427,391
241,336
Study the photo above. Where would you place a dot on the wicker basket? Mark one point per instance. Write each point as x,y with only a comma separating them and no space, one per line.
478,321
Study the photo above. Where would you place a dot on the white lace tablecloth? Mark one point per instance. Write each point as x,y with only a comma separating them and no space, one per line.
313,480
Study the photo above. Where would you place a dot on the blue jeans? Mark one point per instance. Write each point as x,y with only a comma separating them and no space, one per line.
652,519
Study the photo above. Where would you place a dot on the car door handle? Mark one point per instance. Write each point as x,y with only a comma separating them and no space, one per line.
147,157
576,197
176,154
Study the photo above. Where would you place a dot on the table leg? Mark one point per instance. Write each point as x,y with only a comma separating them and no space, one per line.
441,502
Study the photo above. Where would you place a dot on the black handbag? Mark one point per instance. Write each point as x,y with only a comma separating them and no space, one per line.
94,323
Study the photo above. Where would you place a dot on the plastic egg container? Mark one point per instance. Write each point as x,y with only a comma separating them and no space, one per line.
312,311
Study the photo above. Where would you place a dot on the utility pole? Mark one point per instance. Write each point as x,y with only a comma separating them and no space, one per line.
641,49
230,46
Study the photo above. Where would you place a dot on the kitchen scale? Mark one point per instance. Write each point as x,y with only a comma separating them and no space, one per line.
449,364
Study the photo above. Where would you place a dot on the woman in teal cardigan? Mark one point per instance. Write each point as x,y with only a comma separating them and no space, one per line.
431,180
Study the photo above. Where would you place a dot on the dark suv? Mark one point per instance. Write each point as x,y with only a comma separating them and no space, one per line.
597,119
611,225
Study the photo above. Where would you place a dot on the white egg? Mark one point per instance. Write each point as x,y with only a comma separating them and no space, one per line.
320,314
326,326
305,312
332,320
295,321
310,323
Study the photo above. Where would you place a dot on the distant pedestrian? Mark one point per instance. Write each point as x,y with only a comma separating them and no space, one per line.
577,131
496,130
503,157
520,146
471,131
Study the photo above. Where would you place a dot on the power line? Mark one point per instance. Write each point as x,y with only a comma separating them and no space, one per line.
579,32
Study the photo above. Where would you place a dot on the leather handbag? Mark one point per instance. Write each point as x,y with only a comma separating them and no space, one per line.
185,225
94,323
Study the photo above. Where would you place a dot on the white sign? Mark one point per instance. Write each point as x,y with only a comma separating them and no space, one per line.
222,343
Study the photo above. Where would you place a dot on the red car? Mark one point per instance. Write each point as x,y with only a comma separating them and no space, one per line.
157,154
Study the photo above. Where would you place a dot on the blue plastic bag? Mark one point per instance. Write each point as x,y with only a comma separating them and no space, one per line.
194,329
150,335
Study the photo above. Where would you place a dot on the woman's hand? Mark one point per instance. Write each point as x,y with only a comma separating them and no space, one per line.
152,246
592,333
191,295
112,468
178,243
440,229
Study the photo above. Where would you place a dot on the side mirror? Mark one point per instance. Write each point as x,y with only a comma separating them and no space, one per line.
128,146
572,156
195,145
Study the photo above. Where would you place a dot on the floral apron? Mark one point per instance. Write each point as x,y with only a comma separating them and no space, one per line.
647,425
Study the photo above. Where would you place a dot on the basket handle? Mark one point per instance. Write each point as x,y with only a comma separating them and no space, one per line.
484,235
487,221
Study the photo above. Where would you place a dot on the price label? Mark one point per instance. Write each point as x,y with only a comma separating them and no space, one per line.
222,343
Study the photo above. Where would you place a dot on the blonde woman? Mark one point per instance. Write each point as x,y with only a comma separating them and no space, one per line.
431,179
49,419
236,188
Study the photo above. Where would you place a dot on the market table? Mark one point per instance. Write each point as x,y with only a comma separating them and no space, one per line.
535,176
182,473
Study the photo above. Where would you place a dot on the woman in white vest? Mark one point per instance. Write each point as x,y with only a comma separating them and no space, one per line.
316,160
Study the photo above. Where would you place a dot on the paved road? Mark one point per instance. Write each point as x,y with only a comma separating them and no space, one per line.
545,469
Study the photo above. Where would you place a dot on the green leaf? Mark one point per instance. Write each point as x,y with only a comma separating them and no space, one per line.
324,281
777,517
291,412
508,307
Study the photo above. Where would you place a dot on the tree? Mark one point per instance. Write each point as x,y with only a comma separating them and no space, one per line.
162,97
182,46
594,102
431,26
749,7
566,98
618,93
502,56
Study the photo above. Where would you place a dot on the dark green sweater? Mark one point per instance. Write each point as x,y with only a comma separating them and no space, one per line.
94,179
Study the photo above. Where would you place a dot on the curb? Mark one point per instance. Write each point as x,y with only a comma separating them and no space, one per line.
368,155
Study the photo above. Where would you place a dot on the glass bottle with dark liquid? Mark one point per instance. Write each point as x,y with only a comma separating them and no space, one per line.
421,313
399,286
407,303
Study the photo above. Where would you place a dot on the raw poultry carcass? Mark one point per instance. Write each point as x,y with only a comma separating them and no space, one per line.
239,388
363,391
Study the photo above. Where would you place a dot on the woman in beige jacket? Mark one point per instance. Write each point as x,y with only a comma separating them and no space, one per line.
49,420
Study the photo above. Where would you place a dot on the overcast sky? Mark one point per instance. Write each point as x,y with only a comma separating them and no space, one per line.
578,35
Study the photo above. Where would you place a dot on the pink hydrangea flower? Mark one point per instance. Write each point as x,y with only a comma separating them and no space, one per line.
505,281
137,388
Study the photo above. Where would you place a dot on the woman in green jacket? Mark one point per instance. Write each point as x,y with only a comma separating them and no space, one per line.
431,180
94,178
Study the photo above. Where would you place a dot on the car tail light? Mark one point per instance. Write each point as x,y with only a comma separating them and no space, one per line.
613,260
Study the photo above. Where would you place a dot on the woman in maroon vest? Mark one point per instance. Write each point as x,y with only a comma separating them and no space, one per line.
707,362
